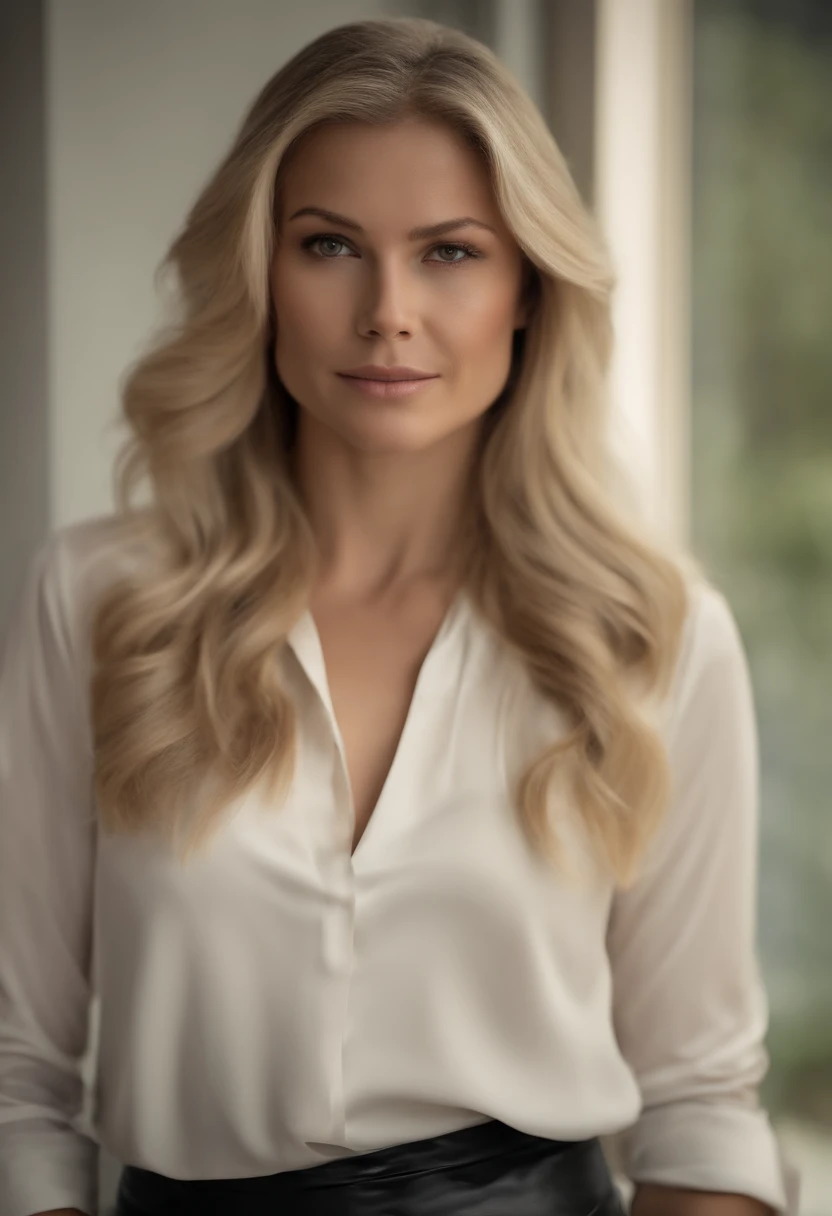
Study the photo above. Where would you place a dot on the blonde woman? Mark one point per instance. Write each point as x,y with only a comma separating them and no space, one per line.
391,793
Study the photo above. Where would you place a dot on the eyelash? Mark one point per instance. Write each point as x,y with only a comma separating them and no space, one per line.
470,250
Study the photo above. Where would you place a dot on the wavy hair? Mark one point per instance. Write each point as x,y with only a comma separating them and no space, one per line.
185,691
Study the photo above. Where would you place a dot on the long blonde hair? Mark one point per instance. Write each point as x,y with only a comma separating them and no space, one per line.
184,681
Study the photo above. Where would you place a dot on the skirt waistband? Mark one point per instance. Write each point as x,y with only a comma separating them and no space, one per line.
490,1168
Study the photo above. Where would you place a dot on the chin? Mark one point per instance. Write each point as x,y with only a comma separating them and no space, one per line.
389,441
392,435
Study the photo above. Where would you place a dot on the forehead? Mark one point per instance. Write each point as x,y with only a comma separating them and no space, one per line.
396,175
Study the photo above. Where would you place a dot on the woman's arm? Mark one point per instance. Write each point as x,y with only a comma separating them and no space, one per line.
61,1212
690,1010
652,1200
47,851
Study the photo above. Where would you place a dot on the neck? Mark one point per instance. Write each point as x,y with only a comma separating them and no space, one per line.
384,521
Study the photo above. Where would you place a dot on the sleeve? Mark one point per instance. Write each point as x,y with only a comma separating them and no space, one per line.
46,878
689,1007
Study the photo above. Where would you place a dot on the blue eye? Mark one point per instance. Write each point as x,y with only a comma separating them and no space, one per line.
469,251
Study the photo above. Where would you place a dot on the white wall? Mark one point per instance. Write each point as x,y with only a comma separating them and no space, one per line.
24,489
143,99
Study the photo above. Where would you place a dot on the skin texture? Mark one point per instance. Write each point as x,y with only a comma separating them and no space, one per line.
669,1201
383,479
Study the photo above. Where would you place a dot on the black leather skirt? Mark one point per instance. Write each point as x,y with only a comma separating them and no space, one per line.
487,1170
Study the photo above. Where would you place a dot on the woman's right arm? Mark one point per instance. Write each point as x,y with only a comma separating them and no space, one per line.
47,845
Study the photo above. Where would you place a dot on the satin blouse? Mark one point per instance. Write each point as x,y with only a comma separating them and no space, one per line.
280,1002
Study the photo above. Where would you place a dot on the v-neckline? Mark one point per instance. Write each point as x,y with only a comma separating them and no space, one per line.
306,642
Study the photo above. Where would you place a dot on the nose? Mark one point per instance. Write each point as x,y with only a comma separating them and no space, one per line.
389,304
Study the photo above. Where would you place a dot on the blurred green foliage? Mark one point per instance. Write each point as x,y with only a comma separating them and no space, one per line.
762,468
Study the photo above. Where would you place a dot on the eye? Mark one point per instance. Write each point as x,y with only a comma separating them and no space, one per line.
469,251
313,240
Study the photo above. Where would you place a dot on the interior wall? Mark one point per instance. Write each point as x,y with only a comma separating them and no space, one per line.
143,99
568,35
24,466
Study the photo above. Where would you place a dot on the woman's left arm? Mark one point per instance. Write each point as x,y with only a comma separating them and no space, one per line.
669,1201
689,1007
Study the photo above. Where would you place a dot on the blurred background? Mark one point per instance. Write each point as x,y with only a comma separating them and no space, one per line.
700,132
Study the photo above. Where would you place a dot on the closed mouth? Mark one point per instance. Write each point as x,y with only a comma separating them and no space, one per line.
385,379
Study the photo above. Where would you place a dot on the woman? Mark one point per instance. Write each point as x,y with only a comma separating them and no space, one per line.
408,834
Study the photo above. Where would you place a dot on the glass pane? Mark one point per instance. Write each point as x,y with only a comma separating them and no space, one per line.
762,489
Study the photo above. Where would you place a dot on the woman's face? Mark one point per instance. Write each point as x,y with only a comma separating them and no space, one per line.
365,289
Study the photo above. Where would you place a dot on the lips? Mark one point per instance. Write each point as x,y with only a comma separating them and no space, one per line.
387,388
375,371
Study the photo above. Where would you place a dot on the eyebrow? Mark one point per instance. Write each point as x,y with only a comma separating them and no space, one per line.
415,234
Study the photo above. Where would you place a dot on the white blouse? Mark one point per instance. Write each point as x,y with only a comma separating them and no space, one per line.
280,1003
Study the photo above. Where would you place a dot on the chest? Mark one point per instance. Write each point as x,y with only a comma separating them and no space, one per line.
373,659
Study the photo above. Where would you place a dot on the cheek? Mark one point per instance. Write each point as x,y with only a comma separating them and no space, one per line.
305,314
484,324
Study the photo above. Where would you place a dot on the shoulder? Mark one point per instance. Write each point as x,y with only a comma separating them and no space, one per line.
711,656
90,554
70,570
105,543
710,667
709,705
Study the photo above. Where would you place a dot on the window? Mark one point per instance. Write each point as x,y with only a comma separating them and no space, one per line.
761,488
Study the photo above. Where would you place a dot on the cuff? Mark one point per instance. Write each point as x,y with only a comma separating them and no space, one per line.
707,1147
45,1165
